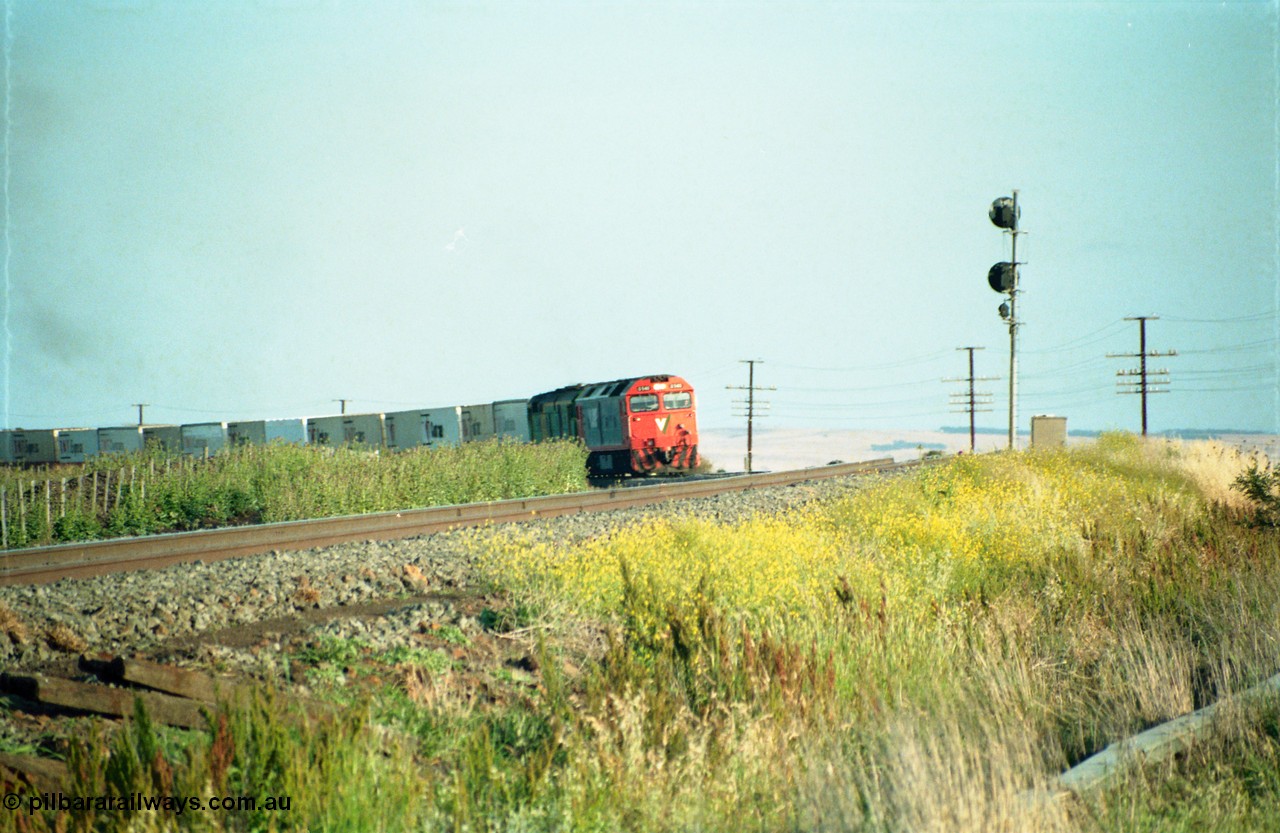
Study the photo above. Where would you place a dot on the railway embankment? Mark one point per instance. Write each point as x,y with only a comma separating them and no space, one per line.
922,651
137,611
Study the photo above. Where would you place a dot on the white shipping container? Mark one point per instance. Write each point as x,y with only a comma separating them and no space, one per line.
76,445
405,429
241,433
425,426
33,447
204,439
120,440
477,422
167,437
511,419
357,430
444,425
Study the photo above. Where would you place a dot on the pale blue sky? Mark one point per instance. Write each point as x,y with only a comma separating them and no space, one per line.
250,209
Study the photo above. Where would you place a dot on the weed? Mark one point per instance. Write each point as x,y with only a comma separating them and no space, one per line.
150,492
1261,486
12,626
64,638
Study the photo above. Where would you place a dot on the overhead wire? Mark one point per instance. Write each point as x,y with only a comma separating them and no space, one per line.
1257,316
1089,394
859,368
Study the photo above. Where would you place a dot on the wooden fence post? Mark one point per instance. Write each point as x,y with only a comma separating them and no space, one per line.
4,518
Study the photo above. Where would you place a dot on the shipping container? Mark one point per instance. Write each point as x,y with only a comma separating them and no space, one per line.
167,438
425,426
357,430
511,419
122,440
204,439
76,445
477,422
6,446
292,431
37,447
246,433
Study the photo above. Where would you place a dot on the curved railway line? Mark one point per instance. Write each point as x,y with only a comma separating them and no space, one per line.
40,565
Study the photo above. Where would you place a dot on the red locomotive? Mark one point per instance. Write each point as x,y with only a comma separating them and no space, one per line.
630,426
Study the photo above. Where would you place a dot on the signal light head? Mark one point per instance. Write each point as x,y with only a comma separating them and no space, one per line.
1005,213
1000,277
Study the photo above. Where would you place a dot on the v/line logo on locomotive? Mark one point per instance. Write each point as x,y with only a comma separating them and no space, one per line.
638,425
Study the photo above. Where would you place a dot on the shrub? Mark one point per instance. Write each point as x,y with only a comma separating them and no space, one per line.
1261,485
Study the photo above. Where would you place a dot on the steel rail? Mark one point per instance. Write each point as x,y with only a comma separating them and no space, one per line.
39,565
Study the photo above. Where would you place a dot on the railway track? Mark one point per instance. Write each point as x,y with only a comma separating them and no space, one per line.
40,565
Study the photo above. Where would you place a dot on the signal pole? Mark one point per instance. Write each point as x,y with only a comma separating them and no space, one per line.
751,403
973,399
1003,277
1144,384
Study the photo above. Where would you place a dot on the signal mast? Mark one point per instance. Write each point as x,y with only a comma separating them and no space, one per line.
1003,278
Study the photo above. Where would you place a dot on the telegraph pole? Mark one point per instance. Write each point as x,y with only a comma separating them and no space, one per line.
140,406
973,399
1003,277
344,404
1144,384
751,404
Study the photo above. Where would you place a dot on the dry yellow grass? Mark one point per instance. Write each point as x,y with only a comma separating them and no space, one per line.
63,638
13,626
1212,465
986,623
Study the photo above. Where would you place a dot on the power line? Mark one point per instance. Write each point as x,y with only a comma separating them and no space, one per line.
1258,316
1080,341
1243,347
857,368
1248,389
887,386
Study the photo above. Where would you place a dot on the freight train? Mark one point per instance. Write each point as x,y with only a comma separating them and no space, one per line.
639,425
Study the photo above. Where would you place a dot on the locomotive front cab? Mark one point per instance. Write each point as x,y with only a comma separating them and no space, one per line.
662,425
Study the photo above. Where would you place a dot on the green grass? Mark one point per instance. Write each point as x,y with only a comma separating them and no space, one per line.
926,654
1231,782
151,493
